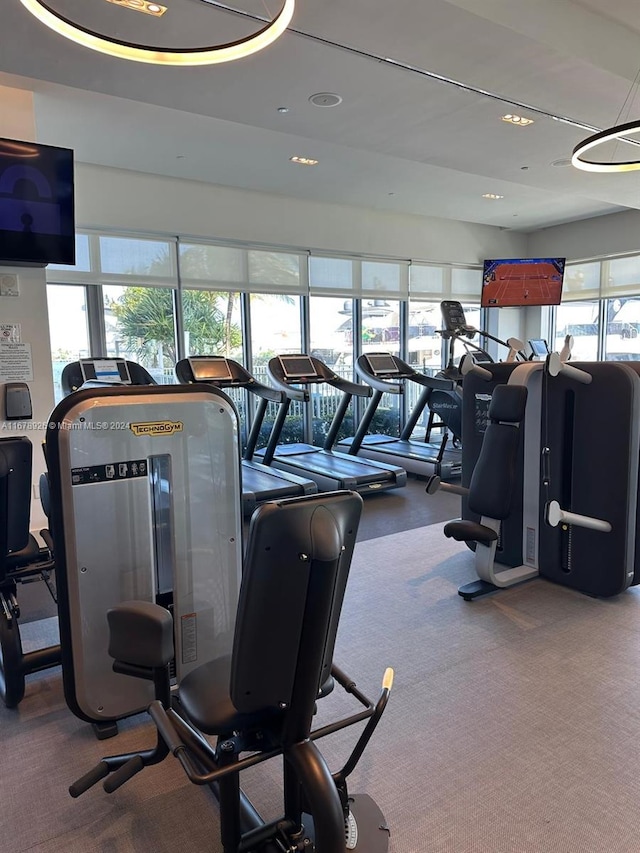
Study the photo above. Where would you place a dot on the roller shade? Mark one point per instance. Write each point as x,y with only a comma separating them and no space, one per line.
445,282
621,277
115,259
355,277
581,281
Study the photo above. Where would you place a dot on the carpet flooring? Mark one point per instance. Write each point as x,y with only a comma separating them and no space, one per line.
513,725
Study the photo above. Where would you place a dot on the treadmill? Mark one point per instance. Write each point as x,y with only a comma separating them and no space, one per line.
386,373
260,482
294,374
99,372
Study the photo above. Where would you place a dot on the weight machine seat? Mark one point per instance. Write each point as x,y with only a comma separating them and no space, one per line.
208,704
295,573
492,482
297,563
469,531
18,559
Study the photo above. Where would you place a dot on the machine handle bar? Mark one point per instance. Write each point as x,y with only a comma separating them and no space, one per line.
123,774
169,736
367,732
555,365
89,779
555,516
435,484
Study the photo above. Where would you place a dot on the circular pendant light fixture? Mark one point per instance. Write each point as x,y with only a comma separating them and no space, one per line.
598,139
209,55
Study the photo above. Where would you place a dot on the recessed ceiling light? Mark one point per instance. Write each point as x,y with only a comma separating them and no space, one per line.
563,161
521,121
326,99
141,6
491,195
303,161
283,110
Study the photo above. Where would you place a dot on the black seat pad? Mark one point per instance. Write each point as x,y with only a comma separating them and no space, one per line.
204,695
469,531
25,556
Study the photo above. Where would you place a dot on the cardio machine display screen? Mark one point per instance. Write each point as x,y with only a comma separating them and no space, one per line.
297,366
382,365
210,369
114,370
539,347
452,315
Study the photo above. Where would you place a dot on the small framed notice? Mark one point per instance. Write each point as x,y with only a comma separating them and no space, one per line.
15,362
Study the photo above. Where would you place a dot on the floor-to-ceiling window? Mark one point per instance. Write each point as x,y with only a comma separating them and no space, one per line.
580,321
139,308
139,324
577,319
621,309
154,300
68,315
275,282
68,329
331,340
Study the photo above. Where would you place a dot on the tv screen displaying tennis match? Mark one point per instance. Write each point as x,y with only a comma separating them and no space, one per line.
520,282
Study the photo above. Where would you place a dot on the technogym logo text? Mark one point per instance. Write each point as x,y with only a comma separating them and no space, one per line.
156,428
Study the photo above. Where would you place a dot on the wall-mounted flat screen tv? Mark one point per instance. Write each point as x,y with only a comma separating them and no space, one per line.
522,281
37,223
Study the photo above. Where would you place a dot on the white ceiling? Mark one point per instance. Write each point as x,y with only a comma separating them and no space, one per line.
400,140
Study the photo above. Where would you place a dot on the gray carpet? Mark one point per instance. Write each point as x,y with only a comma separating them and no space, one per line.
513,725
383,513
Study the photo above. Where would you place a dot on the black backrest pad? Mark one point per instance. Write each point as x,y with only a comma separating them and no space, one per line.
493,478
508,403
15,494
293,583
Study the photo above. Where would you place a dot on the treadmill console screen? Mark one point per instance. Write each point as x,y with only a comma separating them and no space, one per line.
210,369
382,365
539,348
297,366
114,370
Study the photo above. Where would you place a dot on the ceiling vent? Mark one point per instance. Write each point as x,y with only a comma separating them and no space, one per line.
325,99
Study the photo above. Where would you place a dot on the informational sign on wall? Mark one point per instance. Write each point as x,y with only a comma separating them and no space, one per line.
15,362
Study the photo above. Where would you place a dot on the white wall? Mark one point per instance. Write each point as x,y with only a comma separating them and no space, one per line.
29,309
117,199
614,234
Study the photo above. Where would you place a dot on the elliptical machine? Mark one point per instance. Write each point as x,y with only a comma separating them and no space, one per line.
456,328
